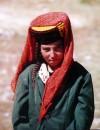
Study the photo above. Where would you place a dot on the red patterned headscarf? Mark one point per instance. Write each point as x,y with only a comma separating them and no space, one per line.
53,84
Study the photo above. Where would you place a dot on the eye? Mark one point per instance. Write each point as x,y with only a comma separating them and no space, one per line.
59,48
46,49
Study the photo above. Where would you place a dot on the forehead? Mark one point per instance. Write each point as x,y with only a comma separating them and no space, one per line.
56,44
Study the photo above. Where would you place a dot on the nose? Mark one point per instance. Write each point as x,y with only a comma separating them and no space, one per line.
52,54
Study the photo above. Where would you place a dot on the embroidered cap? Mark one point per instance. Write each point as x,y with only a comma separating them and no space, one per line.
48,34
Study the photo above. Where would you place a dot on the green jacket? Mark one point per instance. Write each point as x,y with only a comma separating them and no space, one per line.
73,107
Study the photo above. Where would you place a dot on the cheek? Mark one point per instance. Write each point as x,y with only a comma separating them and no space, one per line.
61,56
44,54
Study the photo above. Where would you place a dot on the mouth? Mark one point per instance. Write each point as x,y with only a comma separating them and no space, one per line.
51,60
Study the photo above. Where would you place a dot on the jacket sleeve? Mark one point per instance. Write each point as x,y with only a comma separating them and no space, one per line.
84,112
20,120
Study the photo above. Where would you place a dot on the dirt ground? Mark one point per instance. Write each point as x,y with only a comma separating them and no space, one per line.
15,16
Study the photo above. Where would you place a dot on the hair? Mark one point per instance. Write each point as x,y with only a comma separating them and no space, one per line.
39,58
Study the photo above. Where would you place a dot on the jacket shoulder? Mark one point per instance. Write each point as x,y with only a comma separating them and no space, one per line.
78,69
27,71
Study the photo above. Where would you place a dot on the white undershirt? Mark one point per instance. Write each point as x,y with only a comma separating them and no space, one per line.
44,72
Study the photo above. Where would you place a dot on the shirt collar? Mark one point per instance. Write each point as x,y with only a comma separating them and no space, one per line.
49,69
43,72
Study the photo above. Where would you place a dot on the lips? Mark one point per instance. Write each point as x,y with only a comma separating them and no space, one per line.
51,60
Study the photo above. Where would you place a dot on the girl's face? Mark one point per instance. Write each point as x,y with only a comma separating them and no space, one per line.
53,53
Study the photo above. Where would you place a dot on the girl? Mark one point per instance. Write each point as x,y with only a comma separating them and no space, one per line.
53,92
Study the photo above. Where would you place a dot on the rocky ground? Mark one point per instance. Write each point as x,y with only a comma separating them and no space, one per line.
15,16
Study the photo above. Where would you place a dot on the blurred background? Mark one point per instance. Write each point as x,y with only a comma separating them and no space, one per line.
15,17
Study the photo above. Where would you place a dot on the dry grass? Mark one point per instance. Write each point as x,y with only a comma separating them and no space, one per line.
90,1
86,28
